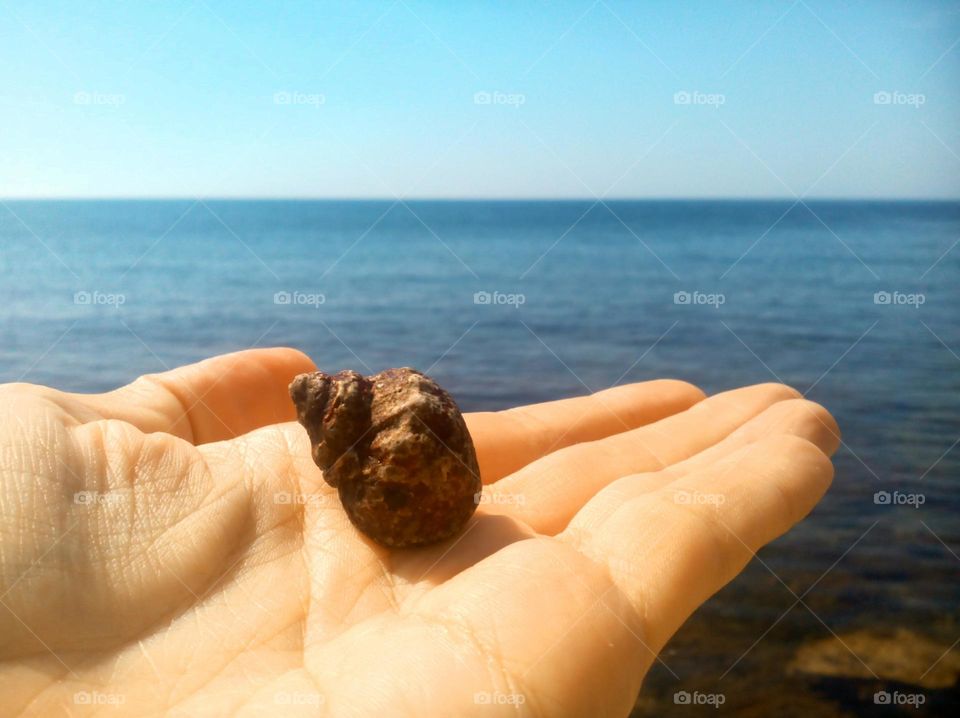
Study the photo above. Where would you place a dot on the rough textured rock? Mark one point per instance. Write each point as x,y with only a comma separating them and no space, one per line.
396,448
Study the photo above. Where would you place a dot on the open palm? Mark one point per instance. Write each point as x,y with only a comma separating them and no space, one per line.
170,549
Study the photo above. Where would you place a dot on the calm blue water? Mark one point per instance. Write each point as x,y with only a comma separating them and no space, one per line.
598,285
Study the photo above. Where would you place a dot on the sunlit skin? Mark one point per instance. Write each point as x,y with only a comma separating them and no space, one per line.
210,571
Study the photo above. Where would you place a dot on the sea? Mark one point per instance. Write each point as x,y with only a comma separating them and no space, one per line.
854,303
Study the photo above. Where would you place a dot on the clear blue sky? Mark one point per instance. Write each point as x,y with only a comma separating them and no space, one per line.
180,98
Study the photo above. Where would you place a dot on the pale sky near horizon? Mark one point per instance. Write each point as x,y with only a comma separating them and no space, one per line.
209,98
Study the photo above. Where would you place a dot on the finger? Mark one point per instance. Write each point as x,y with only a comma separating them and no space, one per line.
547,493
796,417
215,399
508,440
667,557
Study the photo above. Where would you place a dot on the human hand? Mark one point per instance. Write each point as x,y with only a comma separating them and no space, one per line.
171,549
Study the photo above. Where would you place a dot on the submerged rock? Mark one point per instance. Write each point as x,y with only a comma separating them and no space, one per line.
901,656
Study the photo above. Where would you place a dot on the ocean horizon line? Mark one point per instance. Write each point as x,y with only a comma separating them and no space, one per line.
293,198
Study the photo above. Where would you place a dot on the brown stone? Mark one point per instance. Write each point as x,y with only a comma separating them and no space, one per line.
396,448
